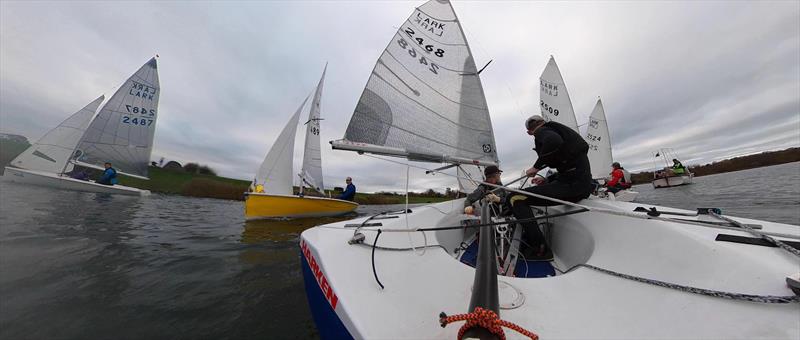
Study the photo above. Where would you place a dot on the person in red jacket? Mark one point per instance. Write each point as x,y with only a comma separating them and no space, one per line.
620,179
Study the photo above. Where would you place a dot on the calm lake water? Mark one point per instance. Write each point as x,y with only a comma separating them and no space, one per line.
91,266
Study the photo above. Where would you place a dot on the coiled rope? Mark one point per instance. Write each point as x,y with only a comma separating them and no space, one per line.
485,319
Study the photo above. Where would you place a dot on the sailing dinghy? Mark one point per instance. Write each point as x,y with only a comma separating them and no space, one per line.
616,272
272,195
600,156
666,177
121,133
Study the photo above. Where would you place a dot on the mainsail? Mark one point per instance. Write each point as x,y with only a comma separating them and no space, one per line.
311,172
554,98
275,173
122,133
51,152
599,140
424,100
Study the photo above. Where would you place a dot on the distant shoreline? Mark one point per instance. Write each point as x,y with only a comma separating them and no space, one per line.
767,158
178,182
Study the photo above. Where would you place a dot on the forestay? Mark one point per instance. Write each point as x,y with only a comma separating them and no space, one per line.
51,152
554,98
275,173
311,172
599,140
122,133
424,100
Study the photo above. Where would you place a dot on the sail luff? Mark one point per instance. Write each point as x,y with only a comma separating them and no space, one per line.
51,153
275,172
311,171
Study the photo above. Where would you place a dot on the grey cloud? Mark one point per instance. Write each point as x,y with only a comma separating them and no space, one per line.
709,79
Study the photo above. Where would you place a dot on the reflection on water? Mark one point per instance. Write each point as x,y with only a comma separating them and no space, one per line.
99,266
283,230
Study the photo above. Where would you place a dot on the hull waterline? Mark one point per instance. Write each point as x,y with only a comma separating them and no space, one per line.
45,179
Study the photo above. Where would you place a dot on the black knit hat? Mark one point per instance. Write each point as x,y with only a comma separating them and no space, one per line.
491,170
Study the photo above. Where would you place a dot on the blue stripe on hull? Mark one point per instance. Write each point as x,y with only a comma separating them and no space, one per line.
328,324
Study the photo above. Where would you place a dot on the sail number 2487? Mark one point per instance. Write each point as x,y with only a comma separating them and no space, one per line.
138,120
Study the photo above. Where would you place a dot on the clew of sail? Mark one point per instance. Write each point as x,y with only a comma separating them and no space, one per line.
122,133
599,140
424,100
275,172
311,172
52,152
554,98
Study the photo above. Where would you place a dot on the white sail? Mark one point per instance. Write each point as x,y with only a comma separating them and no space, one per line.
311,172
51,152
424,99
122,133
275,173
468,177
599,140
554,98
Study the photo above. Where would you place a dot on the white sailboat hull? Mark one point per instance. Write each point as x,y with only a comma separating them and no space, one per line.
346,300
672,181
623,195
46,179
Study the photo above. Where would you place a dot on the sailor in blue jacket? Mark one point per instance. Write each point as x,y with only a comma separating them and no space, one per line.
349,192
109,176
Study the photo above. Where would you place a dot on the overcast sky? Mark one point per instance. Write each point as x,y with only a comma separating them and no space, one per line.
709,79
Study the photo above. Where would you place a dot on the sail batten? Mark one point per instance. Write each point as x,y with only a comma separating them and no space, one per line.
123,130
415,105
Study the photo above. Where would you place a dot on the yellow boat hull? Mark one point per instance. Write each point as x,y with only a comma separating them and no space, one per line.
258,206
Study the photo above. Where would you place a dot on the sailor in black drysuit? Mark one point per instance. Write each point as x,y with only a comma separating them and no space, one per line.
565,150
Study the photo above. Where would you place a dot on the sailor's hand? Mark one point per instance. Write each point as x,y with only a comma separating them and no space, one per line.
531,172
493,198
538,180
468,210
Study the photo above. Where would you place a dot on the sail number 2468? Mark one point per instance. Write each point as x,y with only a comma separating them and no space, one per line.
428,48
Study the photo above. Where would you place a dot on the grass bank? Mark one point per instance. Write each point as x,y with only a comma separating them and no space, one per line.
198,185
